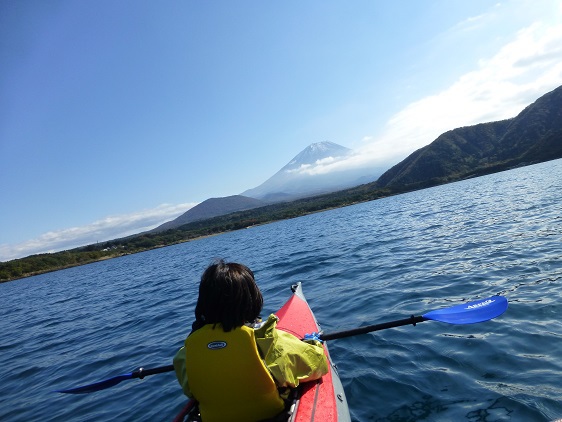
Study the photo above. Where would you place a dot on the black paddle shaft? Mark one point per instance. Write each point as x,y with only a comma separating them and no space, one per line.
413,320
141,372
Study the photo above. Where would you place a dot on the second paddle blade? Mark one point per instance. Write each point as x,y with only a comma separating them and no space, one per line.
471,312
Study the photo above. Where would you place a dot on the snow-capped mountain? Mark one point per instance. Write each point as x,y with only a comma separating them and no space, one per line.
307,174
301,177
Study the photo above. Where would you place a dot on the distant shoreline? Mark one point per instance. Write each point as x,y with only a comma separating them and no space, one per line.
109,256
93,261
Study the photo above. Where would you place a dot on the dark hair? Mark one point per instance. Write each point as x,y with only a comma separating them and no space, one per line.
228,295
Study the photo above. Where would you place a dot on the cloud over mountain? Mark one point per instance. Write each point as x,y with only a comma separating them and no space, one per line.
321,167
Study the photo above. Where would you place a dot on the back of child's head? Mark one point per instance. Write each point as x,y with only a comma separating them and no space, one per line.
228,295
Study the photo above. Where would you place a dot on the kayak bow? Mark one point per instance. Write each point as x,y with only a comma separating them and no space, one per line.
323,399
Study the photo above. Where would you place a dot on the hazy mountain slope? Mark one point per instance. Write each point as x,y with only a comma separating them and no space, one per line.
212,207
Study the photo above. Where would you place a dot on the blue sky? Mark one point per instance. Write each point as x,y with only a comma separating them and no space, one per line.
116,116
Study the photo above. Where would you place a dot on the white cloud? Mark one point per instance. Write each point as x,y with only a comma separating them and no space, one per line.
324,165
520,72
108,228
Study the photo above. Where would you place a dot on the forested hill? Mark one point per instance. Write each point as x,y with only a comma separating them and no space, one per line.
533,136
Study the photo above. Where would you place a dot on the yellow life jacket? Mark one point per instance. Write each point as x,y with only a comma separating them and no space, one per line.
228,377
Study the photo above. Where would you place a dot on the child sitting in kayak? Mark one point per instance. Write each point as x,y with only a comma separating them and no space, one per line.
232,366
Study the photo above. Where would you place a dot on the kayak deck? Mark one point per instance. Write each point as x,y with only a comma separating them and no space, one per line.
323,399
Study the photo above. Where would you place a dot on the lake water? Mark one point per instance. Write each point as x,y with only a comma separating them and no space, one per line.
360,265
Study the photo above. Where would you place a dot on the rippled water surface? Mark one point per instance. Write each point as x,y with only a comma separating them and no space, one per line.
360,265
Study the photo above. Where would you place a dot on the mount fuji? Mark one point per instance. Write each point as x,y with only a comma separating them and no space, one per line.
298,179
301,176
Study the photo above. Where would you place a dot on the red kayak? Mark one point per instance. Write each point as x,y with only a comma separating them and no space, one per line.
322,400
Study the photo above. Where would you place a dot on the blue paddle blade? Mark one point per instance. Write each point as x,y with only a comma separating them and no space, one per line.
97,386
470,312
